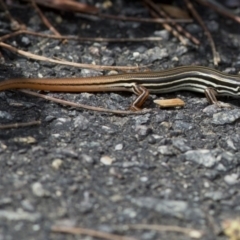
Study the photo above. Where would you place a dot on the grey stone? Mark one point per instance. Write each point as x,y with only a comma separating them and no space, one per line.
226,117
179,209
203,157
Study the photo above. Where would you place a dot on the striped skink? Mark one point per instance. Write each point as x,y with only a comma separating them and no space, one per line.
192,78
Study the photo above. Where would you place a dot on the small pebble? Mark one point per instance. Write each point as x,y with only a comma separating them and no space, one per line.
106,160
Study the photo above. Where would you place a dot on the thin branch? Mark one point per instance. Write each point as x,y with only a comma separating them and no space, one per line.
178,27
216,57
18,125
89,232
68,5
82,39
14,24
220,9
166,228
149,4
79,105
73,64
44,19
143,20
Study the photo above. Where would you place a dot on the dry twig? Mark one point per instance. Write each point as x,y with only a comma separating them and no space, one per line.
144,20
89,232
80,39
44,19
178,27
149,4
216,58
14,23
165,228
73,64
79,105
18,125
220,9
68,5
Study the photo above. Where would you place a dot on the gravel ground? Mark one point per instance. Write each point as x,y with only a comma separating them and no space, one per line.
177,167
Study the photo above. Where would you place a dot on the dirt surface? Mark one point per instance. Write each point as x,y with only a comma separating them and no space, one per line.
177,167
